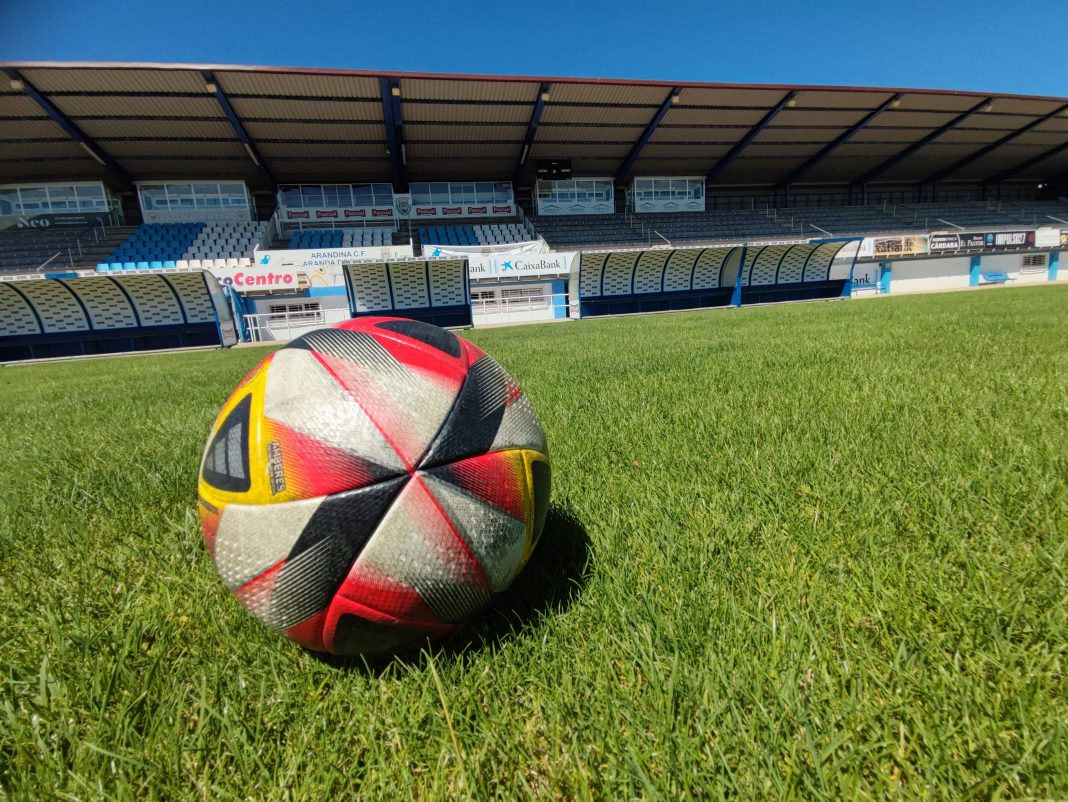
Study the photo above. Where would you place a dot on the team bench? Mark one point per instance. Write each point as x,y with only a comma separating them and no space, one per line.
995,278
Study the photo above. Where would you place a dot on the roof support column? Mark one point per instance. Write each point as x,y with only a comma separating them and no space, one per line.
98,154
838,141
743,143
393,116
927,140
532,131
212,86
948,171
624,169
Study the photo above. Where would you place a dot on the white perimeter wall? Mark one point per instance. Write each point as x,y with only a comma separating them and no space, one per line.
925,275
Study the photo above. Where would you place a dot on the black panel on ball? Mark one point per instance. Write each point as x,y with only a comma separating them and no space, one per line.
472,425
434,336
327,548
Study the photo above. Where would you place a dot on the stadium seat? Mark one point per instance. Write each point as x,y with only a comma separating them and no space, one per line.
181,264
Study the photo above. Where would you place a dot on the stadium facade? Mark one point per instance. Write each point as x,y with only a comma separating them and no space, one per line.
275,179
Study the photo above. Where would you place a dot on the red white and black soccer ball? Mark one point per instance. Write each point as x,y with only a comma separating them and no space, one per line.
373,484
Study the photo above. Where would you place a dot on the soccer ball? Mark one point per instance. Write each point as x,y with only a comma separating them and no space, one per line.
373,484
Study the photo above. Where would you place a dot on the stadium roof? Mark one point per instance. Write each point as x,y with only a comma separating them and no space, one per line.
267,125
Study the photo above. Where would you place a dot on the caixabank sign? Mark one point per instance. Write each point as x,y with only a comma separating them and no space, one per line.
541,264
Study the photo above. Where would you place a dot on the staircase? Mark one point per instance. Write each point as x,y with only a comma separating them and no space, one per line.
93,253
406,233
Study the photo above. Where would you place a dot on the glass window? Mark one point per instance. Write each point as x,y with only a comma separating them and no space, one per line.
484,192
234,195
62,197
439,193
90,197
34,199
312,196
206,196
153,197
9,201
180,195
502,192
383,194
362,195
330,200
290,196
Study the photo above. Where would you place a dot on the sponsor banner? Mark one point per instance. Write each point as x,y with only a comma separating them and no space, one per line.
554,263
889,247
1049,238
322,267
328,257
64,220
254,279
341,213
235,215
531,246
974,240
463,210
1064,237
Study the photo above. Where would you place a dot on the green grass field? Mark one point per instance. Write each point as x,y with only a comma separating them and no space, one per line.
813,551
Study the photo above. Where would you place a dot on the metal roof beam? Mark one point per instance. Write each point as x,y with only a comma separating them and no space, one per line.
239,127
532,130
840,140
624,169
393,116
958,165
743,143
915,146
98,154
1019,168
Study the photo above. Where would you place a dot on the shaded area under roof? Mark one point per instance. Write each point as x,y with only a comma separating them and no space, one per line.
145,122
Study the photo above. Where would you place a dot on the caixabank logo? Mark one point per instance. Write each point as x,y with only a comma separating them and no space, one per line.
534,265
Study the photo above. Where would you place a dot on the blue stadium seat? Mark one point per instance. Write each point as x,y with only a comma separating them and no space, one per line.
156,265
142,266
168,264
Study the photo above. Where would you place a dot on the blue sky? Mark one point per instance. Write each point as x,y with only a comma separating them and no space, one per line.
980,45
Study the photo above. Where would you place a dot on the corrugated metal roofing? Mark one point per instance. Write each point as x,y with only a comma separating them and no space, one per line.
274,85
580,133
159,121
305,131
481,91
608,94
735,97
457,112
135,106
155,128
31,129
597,115
146,81
279,109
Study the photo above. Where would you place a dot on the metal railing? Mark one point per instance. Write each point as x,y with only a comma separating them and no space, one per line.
268,326
507,310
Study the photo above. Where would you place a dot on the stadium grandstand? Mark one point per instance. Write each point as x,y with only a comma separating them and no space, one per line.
133,168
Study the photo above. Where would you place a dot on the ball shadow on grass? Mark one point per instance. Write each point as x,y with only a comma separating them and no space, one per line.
552,580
